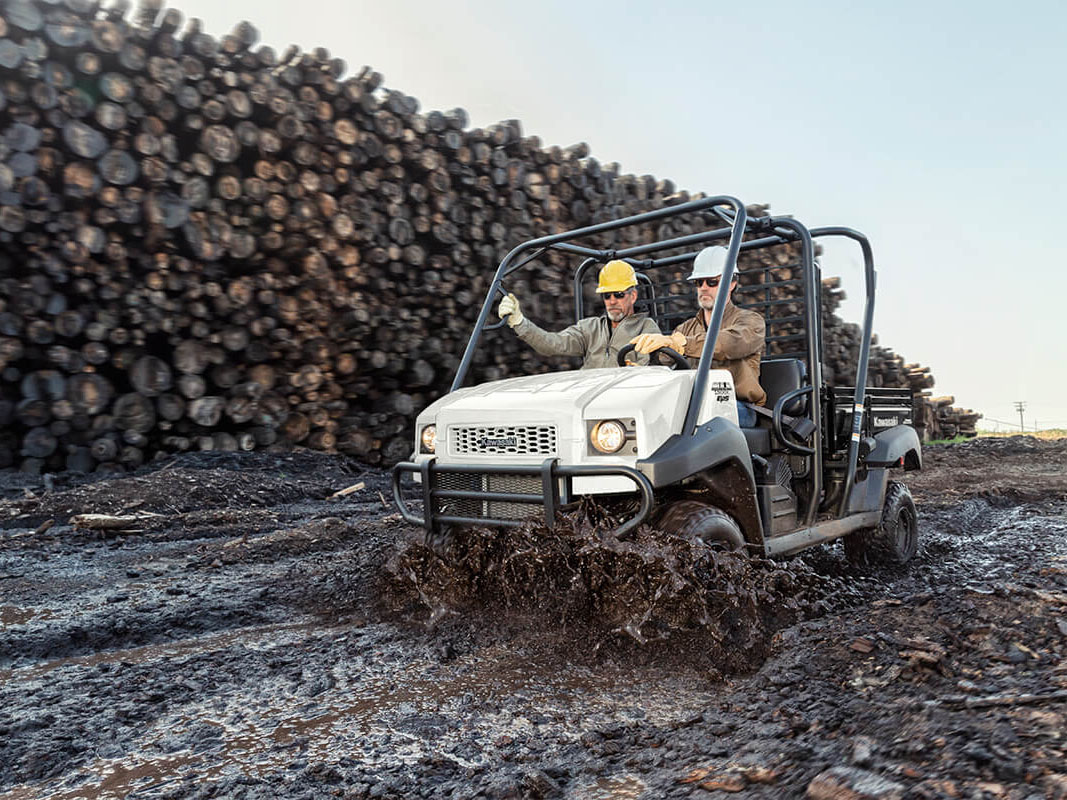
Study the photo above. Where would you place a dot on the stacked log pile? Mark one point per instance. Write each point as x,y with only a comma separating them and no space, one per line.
208,244
941,420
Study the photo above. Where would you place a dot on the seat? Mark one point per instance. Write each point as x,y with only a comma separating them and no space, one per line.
779,377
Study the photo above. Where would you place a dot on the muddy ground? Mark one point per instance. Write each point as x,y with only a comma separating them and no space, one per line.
252,638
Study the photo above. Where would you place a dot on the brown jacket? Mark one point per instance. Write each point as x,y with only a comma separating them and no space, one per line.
738,348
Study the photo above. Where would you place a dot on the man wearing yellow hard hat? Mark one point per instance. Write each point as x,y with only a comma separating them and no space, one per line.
596,339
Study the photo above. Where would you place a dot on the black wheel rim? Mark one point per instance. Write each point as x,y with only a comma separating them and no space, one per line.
905,529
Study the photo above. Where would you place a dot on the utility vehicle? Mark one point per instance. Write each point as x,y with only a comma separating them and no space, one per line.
661,444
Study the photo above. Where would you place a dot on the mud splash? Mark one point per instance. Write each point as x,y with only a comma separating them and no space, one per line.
655,588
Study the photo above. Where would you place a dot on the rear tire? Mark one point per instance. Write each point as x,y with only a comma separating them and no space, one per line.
896,539
691,519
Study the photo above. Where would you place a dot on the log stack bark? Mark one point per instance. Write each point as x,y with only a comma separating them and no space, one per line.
209,244
942,420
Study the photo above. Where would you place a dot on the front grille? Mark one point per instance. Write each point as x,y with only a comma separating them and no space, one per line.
519,440
483,509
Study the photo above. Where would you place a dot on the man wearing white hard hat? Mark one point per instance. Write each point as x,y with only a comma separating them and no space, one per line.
596,339
740,344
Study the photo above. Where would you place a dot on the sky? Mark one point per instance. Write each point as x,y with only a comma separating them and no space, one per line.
938,129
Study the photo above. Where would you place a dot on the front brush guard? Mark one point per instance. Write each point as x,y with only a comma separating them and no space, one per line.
550,471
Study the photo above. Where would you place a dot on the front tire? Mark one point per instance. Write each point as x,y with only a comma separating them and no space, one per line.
691,519
896,539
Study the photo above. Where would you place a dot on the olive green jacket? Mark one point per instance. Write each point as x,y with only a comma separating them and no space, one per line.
593,338
738,348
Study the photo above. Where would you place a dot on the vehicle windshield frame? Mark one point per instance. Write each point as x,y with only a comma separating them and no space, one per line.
529,251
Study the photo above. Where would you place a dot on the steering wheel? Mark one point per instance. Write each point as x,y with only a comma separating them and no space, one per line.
680,361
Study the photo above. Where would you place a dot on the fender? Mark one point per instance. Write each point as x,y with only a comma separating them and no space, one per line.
894,444
717,455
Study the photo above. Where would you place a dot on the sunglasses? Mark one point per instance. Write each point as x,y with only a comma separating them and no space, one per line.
712,282
616,295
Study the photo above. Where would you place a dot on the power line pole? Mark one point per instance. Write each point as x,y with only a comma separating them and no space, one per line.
1020,406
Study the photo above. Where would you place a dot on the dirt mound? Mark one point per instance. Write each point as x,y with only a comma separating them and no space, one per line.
974,450
202,481
1018,469
654,588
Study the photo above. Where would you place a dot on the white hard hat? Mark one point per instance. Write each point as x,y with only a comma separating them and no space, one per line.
709,263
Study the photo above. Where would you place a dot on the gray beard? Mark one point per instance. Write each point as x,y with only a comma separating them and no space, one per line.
707,304
616,316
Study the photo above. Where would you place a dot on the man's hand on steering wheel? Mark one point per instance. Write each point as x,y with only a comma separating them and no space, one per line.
680,361
649,342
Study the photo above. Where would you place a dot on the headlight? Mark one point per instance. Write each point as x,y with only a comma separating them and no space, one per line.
428,438
608,436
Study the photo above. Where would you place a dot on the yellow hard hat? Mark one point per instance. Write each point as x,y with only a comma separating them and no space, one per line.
616,276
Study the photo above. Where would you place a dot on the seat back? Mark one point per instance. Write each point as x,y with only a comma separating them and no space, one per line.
780,376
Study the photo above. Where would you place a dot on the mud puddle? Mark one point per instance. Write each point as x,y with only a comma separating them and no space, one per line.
13,615
249,637
368,697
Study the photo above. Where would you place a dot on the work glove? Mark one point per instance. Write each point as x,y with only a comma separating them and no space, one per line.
650,342
509,307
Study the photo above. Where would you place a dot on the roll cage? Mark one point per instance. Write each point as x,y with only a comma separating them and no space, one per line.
741,233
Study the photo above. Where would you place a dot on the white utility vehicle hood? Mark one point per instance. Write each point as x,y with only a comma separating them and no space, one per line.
555,412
